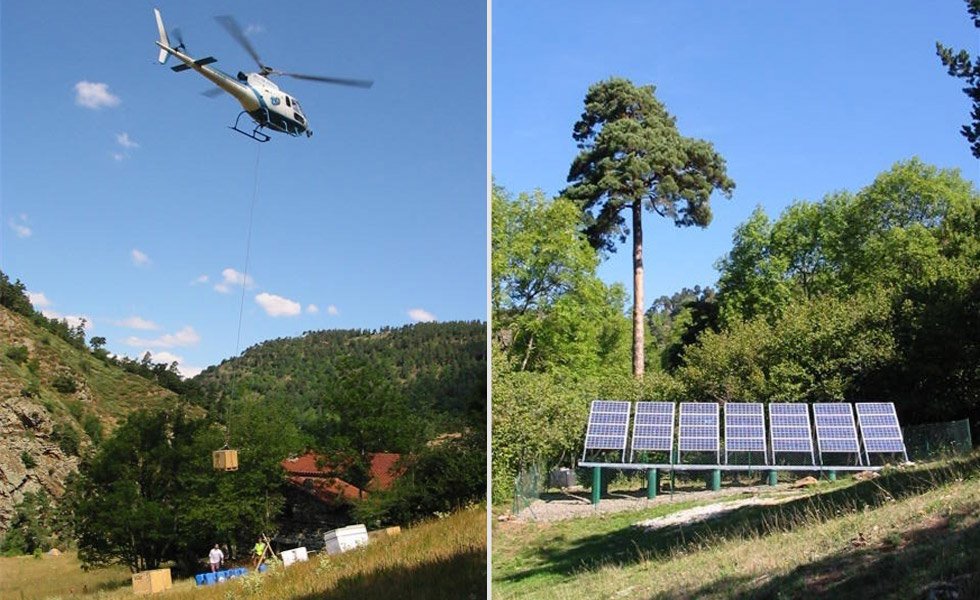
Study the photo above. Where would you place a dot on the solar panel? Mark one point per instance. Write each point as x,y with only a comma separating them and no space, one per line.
653,428
699,428
608,424
836,430
879,428
745,428
789,429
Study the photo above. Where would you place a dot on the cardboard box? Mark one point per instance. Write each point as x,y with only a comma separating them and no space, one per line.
151,582
225,460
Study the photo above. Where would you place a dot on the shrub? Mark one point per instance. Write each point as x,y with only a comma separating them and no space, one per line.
28,460
65,384
18,354
67,438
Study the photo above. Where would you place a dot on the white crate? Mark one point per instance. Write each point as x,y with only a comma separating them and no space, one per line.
345,538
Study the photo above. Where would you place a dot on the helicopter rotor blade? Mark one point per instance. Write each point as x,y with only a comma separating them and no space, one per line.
235,31
213,92
361,83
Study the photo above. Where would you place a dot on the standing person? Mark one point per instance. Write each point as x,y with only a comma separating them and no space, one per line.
216,557
259,552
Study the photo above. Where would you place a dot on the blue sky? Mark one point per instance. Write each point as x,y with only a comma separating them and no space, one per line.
125,198
801,98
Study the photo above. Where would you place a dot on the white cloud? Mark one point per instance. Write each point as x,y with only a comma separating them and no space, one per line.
421,315
312,309
117,156
38,299
140,259
277,306
94,95
200,279
333,310
125,142
185,337
135,322
230,277
20,227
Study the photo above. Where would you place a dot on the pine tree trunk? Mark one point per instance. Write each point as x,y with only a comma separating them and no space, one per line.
638,357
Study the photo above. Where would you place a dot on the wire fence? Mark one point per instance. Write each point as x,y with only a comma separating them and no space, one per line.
932,440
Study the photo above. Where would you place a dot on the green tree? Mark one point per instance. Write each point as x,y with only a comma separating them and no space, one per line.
633,157
550,308
365,413
958,65
126,499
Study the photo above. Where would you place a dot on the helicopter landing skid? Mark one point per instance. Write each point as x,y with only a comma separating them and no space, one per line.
255,134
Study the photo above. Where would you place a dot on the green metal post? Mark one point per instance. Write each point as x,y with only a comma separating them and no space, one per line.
716,480
653,482
832,475
596,484
772,477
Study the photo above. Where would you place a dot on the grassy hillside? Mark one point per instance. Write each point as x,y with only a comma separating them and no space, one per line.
101,389
890,537
445,558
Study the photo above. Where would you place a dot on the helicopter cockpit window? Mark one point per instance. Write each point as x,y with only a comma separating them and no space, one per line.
288,102
296,106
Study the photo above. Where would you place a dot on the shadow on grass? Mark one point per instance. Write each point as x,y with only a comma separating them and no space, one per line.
462,576
933,556
631,545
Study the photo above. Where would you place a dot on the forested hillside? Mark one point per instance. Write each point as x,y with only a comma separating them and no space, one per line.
439,368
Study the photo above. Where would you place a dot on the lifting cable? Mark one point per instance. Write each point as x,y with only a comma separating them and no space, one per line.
241,307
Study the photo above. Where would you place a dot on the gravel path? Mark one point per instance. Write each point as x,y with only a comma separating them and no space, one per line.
576,502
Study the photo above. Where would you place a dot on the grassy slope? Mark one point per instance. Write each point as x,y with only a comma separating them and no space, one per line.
106,390
885,538
438,559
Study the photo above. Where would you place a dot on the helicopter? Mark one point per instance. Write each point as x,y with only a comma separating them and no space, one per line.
262,100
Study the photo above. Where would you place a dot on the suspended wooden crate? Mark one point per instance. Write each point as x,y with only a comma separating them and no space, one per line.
151,582
225,460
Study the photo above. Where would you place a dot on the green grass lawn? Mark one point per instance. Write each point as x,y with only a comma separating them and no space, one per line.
887,537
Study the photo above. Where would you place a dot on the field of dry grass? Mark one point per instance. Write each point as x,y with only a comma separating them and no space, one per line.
444,558
892,537
52,576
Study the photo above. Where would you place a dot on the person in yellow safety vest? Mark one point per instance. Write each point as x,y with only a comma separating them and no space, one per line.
259,553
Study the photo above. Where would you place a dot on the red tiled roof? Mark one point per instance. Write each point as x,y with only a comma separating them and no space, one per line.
320,481
328,489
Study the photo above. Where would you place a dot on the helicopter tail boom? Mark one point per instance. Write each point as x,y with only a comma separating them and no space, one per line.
164,40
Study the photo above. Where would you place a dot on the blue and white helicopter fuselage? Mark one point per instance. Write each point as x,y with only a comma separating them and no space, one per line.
263,101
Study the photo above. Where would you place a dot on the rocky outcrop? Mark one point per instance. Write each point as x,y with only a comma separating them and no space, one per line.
30,460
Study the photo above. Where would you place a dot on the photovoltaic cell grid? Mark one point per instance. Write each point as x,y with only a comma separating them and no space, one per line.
608,424
653,428
699,427
879,428
836,430
789,429
745,428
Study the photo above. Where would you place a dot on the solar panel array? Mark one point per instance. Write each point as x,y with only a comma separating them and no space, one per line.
698,430
836,430
879,428
745,428
789,429
608,425
653,428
